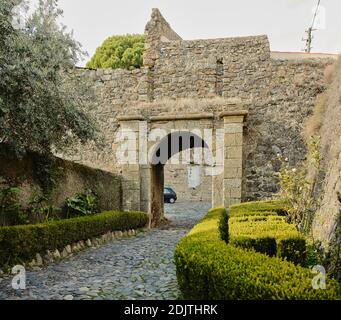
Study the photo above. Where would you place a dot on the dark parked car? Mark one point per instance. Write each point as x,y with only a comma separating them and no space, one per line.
169,195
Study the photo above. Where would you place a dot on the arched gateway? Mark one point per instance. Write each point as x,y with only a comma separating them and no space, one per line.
147,144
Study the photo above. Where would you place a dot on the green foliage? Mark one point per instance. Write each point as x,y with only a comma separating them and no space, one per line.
224,226
256,207
125,52
82,204
253,226
314,254
10,209
297,188
265,245
41,211
12,213
293,249
46,172
208,268
21,243
314,147
41,101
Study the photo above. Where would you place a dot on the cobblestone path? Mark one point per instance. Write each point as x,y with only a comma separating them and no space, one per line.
139,267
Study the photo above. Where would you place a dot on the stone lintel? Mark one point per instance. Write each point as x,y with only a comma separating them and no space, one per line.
234,116
190,116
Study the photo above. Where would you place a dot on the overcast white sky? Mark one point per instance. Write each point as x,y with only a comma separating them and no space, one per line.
284,21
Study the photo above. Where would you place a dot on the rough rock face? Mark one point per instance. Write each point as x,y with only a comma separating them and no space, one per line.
203,76
328,217
157,30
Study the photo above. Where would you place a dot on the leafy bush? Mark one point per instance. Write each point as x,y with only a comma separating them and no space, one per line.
208,268
124,52
298,186
296,189
21,243
82,204
224,226
41,211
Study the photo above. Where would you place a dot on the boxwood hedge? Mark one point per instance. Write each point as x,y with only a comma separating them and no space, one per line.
256,207
208,268
271,235
22,242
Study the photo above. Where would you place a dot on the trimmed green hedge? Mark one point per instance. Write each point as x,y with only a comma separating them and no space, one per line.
21,243
256,207
208,268
271,235
261,226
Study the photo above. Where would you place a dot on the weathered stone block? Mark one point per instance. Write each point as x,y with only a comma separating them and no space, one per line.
56,254
230,139
233,128
64,254
236,193
233,119
239,139
131,170
68,249
130,186
232,183
235,152
232,163
232,172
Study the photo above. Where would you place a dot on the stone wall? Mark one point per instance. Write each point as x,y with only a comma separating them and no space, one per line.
176,176
157,31
328,217
276,121
205,76
233,67
70,178
115,92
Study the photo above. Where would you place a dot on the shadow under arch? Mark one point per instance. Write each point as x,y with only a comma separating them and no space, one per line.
167,147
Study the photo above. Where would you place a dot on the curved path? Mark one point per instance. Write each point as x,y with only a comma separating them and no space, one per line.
139,267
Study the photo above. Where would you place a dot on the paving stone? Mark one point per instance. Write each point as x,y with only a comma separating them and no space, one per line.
139,267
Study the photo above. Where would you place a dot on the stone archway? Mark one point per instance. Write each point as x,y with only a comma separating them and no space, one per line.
143,180
173,143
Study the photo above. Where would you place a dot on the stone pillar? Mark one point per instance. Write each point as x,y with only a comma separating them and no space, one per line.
131,187
218,170
233,156
131,169
145,191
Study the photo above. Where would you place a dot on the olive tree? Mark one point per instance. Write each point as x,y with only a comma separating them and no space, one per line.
41,101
